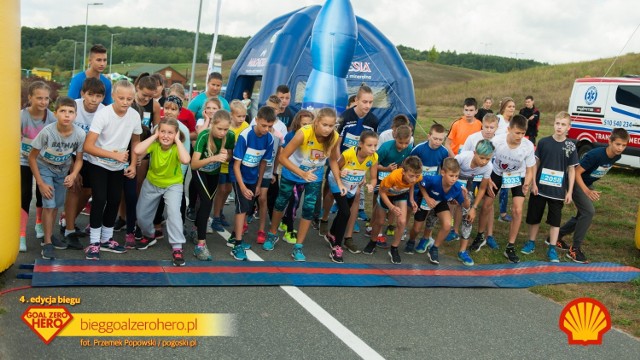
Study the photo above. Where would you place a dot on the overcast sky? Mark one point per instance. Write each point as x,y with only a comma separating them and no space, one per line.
553,31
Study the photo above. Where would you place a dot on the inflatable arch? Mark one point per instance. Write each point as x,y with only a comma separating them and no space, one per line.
280,54
10,146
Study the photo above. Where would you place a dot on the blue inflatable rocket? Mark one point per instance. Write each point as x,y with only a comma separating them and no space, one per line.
333,43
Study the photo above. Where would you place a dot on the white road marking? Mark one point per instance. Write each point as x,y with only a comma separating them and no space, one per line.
332,324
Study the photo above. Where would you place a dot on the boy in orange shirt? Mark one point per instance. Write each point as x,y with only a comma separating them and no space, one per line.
465,126
395,190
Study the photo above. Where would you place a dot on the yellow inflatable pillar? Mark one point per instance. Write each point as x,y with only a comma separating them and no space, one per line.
10,144
638,230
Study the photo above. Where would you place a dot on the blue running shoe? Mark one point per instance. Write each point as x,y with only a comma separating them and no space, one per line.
239,253
297,254
552,254
362,215
334,208
506,218
492,243
529,247
409,248
356,228
232,243
223,221
216,225
433,255
270,242
424,244
465,258
452,236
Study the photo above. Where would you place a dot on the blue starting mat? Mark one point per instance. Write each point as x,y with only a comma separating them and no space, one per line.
49,273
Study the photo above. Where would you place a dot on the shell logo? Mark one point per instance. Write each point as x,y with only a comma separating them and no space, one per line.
585,321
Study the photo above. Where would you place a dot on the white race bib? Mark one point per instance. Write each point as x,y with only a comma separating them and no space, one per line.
56,157
511,180
600,172
351,140
429,171
252,157
551,177
478,178
352,179
25,146
210,167
382,175
425,206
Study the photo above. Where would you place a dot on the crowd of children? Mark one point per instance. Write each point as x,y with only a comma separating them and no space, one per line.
119,143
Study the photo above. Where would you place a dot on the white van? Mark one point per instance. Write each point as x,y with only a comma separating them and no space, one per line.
598,105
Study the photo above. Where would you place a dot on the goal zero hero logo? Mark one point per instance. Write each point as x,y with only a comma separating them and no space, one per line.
585,321
46,321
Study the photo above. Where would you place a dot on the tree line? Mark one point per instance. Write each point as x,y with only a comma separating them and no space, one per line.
492,63
54,49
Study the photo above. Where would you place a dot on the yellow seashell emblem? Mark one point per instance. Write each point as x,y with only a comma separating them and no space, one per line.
585,321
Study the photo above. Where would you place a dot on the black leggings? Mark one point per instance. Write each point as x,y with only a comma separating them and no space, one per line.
272,195
292,206
26,189
207,185
106,190
339,226
130,187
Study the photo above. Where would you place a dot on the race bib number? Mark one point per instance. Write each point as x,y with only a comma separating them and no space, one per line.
146,118
109,161
252,157
352,179
425,206
25,146
351,140
429,171
511,180
462,183
600,172
478,178
383,174
56,157
551,177
210,167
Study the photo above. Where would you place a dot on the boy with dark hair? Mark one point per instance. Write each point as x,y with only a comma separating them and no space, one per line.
532,114
214,85
250,156
464,126
97,65
285,114
593,166
93,92
437,191
556,158
50,160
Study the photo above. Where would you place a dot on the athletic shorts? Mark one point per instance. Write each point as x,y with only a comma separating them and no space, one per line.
394,199
515,191
421,215
243,205
536,207
224,179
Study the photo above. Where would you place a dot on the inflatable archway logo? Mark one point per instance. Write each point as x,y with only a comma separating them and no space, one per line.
585,321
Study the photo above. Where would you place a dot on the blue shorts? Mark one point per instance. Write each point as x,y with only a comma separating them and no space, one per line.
394,199
59,190
224,179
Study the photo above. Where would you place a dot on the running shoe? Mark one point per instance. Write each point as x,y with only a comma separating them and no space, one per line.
465,258
92,252
112,246
424,244
478,243
510,254
576,255
48,252
349,245
552,255
270,242
394,255
529,247
239,252
202,253
336,255
297,254
433,255
178,258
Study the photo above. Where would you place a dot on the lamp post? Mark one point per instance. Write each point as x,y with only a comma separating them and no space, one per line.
86,28
111,50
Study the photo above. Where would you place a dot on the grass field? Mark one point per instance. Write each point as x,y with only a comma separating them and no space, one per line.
611,236
440,91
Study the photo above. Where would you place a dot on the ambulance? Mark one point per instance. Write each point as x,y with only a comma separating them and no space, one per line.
597,106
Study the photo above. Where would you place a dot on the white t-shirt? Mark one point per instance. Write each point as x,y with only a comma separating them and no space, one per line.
478,173
278,126
502,125
472,141
114,134
513,161
85,118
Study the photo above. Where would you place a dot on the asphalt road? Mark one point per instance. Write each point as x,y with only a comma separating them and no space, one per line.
277,322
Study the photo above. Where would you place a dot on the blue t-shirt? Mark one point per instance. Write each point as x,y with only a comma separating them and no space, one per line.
250,149
433,186
596,164
431,158
197,104
75,87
